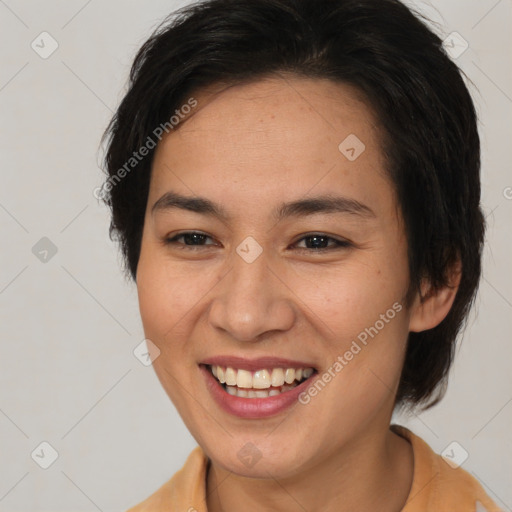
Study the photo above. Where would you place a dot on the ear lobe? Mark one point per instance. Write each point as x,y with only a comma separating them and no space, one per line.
431,307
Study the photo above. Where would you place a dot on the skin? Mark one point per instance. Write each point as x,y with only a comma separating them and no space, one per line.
249,148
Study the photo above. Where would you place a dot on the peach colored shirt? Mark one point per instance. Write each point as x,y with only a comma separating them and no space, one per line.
436,486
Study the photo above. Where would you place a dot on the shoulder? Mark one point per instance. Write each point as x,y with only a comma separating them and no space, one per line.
439,484
185,491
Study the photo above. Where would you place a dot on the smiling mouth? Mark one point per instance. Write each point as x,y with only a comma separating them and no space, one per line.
261,383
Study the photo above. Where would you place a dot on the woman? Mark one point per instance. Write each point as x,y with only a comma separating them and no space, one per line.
295,186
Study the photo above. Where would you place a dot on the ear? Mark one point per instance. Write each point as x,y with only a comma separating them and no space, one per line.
431,306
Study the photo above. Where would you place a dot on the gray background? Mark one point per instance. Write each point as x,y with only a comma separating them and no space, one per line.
69,325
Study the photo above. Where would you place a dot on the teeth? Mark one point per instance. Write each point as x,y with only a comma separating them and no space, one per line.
244,379
289,375
245,384
307,372
231,390
261,379
256,393
277,377
230,376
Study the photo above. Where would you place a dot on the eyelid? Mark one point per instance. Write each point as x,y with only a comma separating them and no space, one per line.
340,243
168,240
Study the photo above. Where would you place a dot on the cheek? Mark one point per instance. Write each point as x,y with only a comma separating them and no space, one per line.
347,299
363,321
167,293
162,300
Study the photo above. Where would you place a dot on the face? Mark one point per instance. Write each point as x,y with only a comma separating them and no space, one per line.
265,279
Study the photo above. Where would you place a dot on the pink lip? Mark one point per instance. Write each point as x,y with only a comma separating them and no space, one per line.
253,365
252,408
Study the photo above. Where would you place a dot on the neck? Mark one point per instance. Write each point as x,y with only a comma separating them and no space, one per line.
373,473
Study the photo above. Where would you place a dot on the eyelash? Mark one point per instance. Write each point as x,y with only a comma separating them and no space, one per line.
340,244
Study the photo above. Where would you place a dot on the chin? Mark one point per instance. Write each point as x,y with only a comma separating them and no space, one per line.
263,458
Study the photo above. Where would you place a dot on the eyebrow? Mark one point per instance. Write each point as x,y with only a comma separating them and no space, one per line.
297,208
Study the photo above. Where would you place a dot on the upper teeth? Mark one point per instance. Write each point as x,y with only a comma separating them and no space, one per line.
261,379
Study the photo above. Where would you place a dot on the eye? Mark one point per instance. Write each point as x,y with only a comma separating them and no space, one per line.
320,242
192,239
315,242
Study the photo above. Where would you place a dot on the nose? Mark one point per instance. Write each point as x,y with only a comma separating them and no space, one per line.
251,300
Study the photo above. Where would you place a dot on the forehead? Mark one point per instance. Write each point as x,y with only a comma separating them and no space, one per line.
274,138
280,110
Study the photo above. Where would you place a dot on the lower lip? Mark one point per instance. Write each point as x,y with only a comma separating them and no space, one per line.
252,407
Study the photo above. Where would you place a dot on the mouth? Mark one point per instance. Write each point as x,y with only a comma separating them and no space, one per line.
262,383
